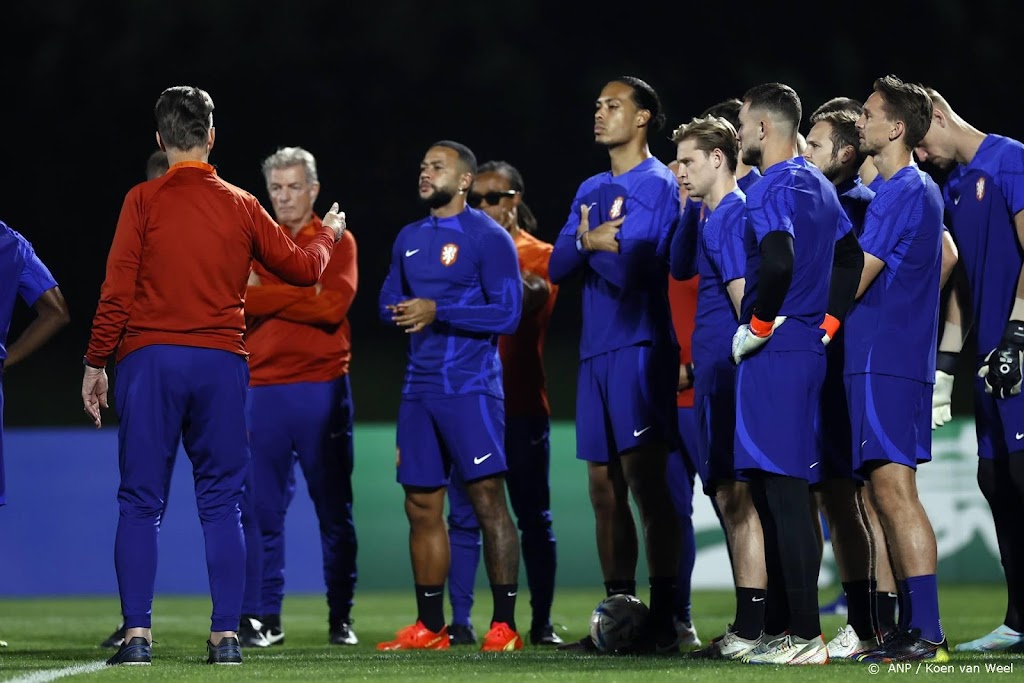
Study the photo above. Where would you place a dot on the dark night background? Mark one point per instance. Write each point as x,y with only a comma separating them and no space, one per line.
367,87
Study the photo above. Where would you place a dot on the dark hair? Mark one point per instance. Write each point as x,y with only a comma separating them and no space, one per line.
906,102
776,98
837,104
156,164
844,130
466,156
645,97
726,109
184,116
527,221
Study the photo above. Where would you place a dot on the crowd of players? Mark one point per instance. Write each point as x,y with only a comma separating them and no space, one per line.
764,315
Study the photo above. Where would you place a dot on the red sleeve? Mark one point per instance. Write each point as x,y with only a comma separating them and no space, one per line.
118,291
338,289
263,300
279,255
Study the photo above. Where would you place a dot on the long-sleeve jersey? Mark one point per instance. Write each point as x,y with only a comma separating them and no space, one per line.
296,334
22,275
467,265
179,263
625,295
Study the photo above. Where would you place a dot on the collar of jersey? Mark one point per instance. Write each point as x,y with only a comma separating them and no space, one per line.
193,164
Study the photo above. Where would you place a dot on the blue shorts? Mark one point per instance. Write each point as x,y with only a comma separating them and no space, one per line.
626,399
436,433
891,420
777,398
998,421
832,425
714,399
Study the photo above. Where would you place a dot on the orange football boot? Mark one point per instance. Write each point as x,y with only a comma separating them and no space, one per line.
501,638
418,637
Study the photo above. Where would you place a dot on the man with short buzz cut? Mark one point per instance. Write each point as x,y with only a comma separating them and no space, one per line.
454,286
890,357
984,199
170,309
299,405
616,237
156,164
795,228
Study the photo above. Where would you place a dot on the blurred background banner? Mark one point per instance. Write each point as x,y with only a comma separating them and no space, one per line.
57,531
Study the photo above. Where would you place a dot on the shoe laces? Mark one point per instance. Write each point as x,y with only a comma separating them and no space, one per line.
847,637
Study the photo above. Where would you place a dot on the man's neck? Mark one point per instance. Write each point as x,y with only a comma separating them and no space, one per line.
892,159
176,156
627,156
968,140
719,190
296,226
844,176
775,151
453,208
742,170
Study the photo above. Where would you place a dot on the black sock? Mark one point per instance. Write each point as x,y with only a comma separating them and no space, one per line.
505,603
858,598
271,621
998,481
786,499
430,606
775,609
885,611
620,587
750,603
663,595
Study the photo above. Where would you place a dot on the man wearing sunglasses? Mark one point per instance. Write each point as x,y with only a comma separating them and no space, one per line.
629,358
498,191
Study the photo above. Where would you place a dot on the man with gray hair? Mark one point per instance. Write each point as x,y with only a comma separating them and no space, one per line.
299,405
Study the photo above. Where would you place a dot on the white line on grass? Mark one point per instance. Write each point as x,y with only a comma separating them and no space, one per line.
54,674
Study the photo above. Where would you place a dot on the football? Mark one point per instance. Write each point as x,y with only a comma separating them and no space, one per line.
616,622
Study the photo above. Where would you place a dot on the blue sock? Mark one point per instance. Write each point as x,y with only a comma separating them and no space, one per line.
687,557
464,545
923,598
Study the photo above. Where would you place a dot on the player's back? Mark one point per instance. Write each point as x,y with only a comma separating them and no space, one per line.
720,259
892,328
625,298
981,199
795,197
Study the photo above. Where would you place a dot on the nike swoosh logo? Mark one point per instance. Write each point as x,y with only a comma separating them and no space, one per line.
410,252
537,442
863,442
513,594
756,599
637,433
1018,436
432,595
814,465
956,200
477,461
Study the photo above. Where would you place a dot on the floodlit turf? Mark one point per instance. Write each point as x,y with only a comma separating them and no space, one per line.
45,635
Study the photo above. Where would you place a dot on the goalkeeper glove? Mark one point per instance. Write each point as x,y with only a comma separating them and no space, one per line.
942,395
749,338
1002,368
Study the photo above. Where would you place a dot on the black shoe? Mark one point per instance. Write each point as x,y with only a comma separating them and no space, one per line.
249,633
115,639
904,646
228,651
544,634
584,644
461,634
136,652
272,630
342,634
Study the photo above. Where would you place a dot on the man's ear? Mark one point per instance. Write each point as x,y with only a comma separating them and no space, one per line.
160,143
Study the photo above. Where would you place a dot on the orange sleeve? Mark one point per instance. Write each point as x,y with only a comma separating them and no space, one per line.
338,289
118,290
263,300
279,255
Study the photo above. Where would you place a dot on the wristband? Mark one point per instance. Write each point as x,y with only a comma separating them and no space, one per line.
760,328
945,361
1013,335
830,325
86,363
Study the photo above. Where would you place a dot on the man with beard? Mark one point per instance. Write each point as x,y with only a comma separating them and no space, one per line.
890,357
629,361
454,286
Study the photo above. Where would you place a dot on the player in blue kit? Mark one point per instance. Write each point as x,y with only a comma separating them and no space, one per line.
24,276
984,200
617,237
890,356
795,225
707,152
454,286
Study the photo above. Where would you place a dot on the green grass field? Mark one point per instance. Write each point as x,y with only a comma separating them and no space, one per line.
49,635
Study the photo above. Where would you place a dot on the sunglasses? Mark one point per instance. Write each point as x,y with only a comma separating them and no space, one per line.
492,198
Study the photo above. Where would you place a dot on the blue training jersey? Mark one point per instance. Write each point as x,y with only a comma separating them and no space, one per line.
625,295
720,260
981,200
468,265
794,197
891,329
747,181
876,184
854,197
22,274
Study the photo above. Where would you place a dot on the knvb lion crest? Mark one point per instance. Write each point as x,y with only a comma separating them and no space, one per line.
616,209
449,253
979,189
